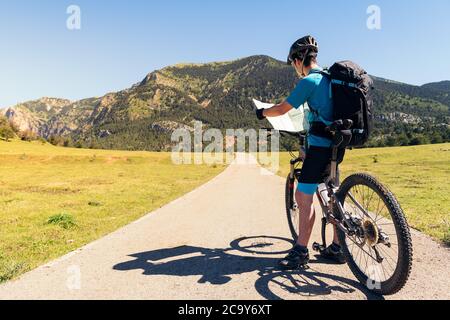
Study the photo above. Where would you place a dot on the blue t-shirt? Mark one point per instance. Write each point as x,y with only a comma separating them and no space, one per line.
315,90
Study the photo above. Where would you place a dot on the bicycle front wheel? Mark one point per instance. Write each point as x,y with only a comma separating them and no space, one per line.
379,251
292,210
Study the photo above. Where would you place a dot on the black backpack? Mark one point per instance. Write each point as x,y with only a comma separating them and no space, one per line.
351,89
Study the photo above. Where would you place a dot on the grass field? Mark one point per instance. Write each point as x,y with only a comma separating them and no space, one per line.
54,200
418,176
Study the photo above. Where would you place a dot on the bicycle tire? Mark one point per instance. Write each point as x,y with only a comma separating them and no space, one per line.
405,249
289,204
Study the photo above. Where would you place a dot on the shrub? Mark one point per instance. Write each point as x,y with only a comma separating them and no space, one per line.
447,238
67,142
10,269
419,140
28,135
6,132
42,140
64,220
78,145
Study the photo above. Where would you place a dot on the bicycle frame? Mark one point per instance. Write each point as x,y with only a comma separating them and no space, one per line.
340,218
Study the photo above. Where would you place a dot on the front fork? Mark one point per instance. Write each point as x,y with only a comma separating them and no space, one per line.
294,163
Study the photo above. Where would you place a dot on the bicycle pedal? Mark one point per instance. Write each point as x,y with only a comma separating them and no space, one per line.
318,247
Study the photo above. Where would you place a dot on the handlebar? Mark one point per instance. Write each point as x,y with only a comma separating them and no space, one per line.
336,126
339,125
301,134
339,130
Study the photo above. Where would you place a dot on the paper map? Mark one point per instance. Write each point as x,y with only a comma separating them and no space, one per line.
293,121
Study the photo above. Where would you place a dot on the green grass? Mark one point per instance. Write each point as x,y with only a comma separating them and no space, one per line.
418,176
54,200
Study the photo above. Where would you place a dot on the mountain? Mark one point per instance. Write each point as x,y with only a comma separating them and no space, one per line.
34,115
218,94
443,86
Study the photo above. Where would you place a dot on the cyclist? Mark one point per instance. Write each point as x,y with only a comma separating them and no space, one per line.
314,89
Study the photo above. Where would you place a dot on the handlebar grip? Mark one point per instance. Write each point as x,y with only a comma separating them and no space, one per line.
348,124
335,126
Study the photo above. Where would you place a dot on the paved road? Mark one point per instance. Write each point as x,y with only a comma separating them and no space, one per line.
221,241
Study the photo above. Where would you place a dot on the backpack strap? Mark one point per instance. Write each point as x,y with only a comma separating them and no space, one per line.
327,75
318,127
343,83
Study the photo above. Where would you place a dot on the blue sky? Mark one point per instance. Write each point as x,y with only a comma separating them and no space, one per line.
121,41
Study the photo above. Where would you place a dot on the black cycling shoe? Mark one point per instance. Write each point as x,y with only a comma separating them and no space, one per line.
296,259
333,253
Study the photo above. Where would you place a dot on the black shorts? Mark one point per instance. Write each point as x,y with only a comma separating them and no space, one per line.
316,168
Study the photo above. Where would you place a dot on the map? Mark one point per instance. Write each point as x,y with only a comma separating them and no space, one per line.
295,120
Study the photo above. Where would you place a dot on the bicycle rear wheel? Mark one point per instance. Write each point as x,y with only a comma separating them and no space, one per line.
380,252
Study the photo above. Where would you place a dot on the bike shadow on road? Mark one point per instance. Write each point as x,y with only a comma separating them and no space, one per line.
245,255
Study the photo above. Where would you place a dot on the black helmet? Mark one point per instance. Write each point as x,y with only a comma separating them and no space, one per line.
301,47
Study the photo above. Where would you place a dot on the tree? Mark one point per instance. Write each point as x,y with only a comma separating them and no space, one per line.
67,142
402,140
3,121
78,144
391,141
14,127
6,132
419,140
55,140
436,137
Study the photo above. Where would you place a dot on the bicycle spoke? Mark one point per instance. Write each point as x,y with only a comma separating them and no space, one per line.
388,264
385,224
362,195
358,205
363,198
388,250
367,261
383,216
387,256
353,247
393,244
384,272
378,207
370,200
359,256
374,258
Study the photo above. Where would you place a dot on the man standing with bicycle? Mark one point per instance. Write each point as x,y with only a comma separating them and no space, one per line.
314,89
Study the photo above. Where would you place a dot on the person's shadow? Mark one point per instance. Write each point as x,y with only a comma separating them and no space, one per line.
217,266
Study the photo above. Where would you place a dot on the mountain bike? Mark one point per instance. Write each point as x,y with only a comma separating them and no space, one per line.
372,228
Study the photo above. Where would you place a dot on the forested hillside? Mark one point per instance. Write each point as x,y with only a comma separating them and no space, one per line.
220,95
